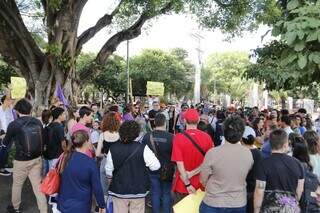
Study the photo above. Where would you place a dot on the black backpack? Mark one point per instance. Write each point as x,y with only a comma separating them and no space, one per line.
32,144
46,138
308,204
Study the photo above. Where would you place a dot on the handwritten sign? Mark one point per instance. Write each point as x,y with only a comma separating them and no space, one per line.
18,87
155,88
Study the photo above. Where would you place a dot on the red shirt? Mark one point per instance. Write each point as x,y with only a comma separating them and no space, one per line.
183,150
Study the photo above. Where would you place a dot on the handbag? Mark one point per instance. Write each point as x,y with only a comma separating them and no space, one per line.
167,170
194,143
51,183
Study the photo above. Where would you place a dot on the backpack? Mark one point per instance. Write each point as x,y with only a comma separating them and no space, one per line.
46,138
218,134
32,145
311,183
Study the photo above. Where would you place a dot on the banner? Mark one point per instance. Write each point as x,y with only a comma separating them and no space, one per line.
189,204
155,88
18,87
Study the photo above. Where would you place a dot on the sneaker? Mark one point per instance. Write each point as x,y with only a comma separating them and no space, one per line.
4,172
12,210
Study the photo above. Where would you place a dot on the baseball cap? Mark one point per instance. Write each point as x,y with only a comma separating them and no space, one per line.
191,115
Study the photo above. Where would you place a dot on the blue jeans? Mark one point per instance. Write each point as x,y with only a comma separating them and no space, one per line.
160,191
204,208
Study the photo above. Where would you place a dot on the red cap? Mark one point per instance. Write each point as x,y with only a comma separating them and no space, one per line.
191,115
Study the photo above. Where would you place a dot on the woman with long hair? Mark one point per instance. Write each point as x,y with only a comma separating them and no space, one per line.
313,142
79,178
110,134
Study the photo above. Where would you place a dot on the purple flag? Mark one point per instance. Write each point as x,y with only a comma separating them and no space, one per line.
60,95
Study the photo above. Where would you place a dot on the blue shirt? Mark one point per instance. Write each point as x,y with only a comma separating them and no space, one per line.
78,181
266,149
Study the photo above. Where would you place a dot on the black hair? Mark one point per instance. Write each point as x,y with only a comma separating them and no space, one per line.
160,120
45,116
249,140
302,110
233,128
221,115
57,112
300,151
23,106
85,111
284,112
255,123
286,119
312,139
277,139
129,131
202,126
3,98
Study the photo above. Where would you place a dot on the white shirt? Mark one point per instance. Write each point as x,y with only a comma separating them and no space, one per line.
288,130
6,117
150,160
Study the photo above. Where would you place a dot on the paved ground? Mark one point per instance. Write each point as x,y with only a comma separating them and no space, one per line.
28,204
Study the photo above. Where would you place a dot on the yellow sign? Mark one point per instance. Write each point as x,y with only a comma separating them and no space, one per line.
190,204
155,88
18,87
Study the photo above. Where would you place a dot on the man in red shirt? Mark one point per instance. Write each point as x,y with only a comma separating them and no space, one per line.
188,152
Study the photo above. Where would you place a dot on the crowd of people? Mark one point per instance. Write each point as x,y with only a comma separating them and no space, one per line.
245,160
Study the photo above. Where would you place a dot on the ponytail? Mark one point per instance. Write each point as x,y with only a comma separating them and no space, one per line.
66,156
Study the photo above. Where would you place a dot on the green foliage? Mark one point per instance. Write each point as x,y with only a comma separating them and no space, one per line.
171,68
6,72
291,63
223,72
112,78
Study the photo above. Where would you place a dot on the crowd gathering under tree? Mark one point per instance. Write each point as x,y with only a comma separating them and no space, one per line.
137,156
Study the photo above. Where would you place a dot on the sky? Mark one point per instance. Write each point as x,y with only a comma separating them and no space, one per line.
168,32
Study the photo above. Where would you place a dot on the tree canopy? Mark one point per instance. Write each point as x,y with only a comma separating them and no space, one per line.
222,74
58,20
291,62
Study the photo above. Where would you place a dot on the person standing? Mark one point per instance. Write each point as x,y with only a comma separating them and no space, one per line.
85,114
160,142
55,141
7,115
152,113
286,124
110,135
188,152
127,163
313,141
279,178
26,133
79,178
222,175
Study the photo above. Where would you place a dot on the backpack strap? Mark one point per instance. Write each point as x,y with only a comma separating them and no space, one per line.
194,143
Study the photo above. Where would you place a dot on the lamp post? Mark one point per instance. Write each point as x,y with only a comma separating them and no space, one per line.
197,81
128,75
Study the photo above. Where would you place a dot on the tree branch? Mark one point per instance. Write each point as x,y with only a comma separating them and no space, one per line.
111,45
18,47
92,31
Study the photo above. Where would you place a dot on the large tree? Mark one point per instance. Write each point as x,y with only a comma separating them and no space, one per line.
43,67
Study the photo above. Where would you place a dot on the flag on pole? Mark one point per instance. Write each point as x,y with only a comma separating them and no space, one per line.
59,94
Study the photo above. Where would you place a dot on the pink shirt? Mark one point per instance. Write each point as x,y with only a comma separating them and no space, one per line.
79,126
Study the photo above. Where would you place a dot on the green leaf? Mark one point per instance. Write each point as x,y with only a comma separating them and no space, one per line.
276,31
293,4
302,61
299,46
312,36
315,57
291,37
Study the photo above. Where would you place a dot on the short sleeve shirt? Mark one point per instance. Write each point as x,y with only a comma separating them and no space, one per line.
183,150
280,172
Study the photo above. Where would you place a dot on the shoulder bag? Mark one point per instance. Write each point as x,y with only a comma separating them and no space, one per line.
194,143
167,170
